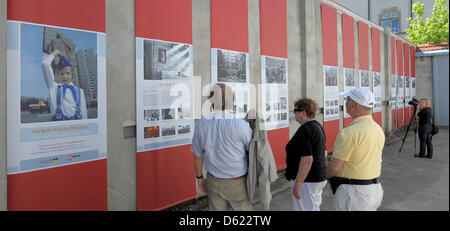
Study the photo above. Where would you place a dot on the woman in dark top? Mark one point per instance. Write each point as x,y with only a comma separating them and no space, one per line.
425,127
306,158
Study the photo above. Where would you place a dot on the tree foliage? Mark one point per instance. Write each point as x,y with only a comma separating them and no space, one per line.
432,30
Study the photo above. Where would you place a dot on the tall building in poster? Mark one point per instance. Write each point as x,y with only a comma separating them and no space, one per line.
87,74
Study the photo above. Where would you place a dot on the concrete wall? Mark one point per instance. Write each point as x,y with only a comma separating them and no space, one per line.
3,184
121,100
424,77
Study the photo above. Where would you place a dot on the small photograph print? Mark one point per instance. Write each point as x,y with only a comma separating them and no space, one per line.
151,115
168,131
393,82
407,82
364,79
268,107
283,116
184,113
275,70
327,103
168,114
283,102
231,66
336,111
166,60
413,83
151,132
376,79
327,112
184,129
58,74
336,102
330,76
401,82
349,77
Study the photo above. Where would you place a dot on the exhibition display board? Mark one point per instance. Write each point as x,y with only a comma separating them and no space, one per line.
376,76
274,106
164,103
330,75
363,55
348,49
401,83
56,105
393,84
407,84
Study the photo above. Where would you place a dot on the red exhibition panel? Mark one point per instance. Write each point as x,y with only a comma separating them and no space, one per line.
329,35
348,47
399,57
393,55
347,121
273,24
413,61
363,46
406,57
406,61
376,58
377,117
331,130
77,187
278,138
330,58
165,177
229,25
394,125
348,40
80,186
168,20
79,14
400,72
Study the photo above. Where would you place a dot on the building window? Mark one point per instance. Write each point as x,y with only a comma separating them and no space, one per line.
390,17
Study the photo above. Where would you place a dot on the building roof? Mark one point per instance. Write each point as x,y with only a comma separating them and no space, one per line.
432,47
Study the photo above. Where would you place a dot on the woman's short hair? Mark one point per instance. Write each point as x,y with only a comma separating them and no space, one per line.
427,102
308,105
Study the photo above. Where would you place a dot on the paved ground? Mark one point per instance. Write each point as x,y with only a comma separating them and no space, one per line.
409,183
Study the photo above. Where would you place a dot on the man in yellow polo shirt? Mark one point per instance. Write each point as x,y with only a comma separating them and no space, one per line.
355,168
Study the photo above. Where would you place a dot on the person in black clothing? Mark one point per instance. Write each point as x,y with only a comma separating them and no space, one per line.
425,128
306,158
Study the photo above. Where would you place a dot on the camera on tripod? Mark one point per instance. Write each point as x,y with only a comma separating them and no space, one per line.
414,102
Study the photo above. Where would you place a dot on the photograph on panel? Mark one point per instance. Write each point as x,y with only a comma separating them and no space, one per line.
166,61
184,129
364,81
376,79
168,130
151,132
401,82
330,76
349,77
151,115
275,70
413,83
407,82
231,66
58,74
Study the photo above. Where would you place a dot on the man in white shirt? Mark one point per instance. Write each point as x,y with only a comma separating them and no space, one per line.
67,102
220,142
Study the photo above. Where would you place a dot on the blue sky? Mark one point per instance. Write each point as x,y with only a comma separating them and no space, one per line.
31,40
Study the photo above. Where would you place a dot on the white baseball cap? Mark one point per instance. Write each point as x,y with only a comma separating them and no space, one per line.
362,96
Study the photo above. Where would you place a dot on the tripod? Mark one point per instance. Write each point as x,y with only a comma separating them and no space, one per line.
413,120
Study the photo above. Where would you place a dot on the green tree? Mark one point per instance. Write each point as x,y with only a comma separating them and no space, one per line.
434,29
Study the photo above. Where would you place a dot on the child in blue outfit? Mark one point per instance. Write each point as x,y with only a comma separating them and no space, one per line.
67,102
